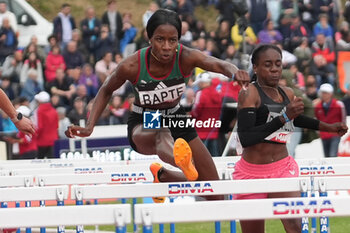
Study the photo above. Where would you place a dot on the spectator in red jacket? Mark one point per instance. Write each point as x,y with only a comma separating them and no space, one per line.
54,61
207,106
28,148
47,125
329,110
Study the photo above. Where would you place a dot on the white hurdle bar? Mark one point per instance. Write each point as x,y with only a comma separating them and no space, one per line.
118,215
57,162
121,170
34,193
148,214
64,163
203,188
76,170
132,174
16,181
332,183
313,167
99,178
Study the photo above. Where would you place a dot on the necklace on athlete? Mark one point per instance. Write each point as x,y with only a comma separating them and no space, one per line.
154,56
273,88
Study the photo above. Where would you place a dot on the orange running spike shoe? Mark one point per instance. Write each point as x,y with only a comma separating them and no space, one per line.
183,159
155,168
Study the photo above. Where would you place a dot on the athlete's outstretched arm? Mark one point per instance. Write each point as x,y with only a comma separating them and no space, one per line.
306,122
24,125
195,58
126,69
310,123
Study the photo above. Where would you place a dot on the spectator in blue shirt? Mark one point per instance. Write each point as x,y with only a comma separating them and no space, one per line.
323,27
129,32
8,40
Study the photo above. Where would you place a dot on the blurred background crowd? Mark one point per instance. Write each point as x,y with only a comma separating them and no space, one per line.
66,74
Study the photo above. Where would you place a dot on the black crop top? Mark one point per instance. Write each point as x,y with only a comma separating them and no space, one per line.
270,109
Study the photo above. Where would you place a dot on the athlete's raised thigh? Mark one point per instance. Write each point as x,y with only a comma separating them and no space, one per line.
255,226
145,140
154,142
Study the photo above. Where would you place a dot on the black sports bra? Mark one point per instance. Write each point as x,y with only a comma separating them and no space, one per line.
270,109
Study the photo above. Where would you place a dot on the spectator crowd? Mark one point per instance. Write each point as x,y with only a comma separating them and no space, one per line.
81,55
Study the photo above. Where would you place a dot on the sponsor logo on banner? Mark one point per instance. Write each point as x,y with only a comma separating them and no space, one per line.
88,170
315,206
128,177
316,170
187,188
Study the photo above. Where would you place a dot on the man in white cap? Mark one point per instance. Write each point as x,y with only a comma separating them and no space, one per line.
47,125
329,110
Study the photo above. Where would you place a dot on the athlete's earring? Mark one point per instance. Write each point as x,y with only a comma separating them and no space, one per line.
176,50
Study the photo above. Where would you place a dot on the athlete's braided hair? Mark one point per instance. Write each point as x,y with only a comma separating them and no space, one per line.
258,51
161,17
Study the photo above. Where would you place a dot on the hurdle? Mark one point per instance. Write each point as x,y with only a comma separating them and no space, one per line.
210,187
108,177
220,162
76,179
148,214
224,167
202,211
339,169
223,187
28,194
304,170
204,188
118,215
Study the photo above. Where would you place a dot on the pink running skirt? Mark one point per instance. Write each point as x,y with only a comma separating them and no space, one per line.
283,168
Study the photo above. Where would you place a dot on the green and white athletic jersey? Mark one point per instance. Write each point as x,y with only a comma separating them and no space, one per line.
150,90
